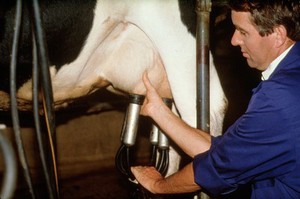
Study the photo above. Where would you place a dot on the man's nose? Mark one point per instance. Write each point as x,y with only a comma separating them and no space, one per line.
235,39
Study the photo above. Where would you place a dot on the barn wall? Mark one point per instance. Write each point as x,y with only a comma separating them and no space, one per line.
86,142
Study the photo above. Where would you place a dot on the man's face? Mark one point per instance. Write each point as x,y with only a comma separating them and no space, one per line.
259,51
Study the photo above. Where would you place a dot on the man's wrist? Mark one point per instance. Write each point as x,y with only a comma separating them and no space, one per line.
159,111
159,187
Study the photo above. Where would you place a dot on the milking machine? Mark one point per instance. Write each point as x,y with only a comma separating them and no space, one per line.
159,142
128,134
41,87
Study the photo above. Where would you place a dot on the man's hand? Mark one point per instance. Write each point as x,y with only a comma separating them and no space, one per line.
153,102
179,182
148,177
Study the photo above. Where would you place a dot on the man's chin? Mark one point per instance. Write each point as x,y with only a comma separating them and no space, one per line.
250,63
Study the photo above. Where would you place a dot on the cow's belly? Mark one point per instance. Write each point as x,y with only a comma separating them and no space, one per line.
119,60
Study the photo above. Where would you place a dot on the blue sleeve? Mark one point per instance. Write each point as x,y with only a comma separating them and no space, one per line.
258,146
215,140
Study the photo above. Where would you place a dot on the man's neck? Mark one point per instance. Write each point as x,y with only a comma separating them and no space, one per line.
270,69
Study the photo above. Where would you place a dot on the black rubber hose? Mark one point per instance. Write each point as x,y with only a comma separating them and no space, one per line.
160,161
166,163
120,161
36,106
13,98
163,161
153,155
48,102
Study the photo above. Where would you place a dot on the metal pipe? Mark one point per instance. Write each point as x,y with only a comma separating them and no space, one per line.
154,135
128,134
9,181
154,141
203,9
131,119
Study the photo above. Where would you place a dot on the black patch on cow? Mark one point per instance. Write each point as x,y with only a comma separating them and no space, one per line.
66,25
188,15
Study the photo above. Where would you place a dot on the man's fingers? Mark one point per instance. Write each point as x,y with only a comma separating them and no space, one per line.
142,170
147,82
135,169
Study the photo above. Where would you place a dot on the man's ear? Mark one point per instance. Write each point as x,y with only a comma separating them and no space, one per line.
281,35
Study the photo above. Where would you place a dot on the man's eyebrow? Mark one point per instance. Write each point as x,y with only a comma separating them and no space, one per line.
239,28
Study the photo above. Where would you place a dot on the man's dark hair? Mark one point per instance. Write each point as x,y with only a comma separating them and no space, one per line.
267,14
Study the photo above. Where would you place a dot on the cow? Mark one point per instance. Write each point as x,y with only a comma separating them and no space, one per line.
125,39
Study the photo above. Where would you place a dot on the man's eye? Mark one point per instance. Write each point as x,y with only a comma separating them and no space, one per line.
243,32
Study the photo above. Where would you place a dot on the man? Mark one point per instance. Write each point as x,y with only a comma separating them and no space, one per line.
262,148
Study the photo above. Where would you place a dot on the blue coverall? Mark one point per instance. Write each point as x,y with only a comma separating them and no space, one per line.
262,147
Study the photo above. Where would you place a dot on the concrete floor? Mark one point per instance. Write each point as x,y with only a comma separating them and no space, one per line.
104,184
